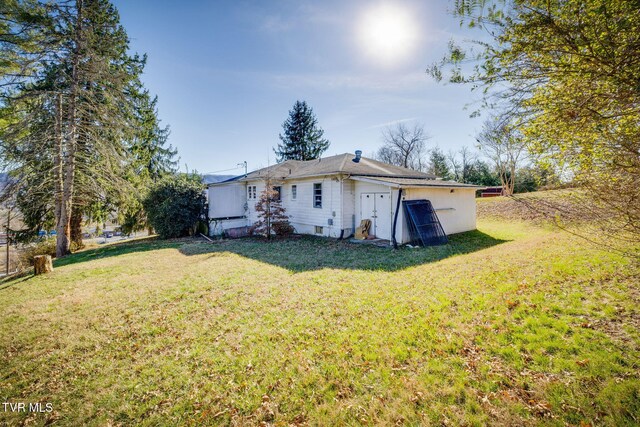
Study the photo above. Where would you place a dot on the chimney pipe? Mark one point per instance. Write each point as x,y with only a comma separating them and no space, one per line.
358,156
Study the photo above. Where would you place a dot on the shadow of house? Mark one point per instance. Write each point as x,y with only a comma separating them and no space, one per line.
300,253
307,253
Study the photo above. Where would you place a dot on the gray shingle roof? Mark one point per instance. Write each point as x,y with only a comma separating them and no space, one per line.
419,182
339,164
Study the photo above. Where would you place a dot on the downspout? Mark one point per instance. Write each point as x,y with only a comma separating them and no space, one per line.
341,208
395,220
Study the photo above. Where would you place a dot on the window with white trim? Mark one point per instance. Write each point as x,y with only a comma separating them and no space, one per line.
251,192
294,192
317,195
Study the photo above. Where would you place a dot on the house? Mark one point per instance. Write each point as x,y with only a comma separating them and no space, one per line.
330,196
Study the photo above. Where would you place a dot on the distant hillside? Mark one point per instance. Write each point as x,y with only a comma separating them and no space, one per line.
210,179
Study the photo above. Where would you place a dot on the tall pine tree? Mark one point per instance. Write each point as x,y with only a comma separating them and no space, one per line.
302,139
71,125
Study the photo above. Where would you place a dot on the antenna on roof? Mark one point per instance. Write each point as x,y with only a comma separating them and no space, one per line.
356,159
245,167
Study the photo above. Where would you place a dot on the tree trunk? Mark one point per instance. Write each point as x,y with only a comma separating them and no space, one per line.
59,179
42,264
63,228
76,228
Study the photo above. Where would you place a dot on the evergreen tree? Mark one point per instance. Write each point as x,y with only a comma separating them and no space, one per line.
480,173
25,37
302,139
438,164
70,120
150,161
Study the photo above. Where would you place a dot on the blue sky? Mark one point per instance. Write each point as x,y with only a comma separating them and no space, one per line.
227,73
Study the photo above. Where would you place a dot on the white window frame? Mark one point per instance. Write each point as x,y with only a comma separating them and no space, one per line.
315,200
294,192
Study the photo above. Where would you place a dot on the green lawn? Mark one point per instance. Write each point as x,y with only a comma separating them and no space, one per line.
514,324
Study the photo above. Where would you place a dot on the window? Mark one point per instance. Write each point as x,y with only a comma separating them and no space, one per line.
317,195
278,190
251,192
294,192
318,229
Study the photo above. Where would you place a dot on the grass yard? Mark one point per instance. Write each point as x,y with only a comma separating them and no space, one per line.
514,324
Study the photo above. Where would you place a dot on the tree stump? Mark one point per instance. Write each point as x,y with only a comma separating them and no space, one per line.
42,264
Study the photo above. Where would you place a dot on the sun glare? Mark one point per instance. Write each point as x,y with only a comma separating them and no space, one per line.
387,34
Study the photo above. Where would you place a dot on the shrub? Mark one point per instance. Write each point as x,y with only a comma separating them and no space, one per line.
282,228
175,205
272,218
43,247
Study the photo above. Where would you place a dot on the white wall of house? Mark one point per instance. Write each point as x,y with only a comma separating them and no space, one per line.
227,200
456,210
342,203
349,223
304,217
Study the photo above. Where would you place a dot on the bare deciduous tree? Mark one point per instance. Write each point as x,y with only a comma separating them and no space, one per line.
404,146
461,163
505,147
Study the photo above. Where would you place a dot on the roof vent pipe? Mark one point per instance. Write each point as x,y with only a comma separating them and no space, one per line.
358,156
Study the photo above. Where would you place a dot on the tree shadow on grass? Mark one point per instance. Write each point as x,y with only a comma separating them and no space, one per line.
306,253
119,248
297,254
145,244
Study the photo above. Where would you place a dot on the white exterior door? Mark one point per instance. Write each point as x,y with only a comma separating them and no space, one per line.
377,208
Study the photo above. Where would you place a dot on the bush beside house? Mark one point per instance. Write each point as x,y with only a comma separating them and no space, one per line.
176,205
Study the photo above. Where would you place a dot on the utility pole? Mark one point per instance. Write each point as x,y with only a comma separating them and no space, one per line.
7,236
245,167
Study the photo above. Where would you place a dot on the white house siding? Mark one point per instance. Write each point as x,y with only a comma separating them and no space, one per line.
302,215
456,211
227,200
341,200
348,207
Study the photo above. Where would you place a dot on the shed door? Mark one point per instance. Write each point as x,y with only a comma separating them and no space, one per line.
377,208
